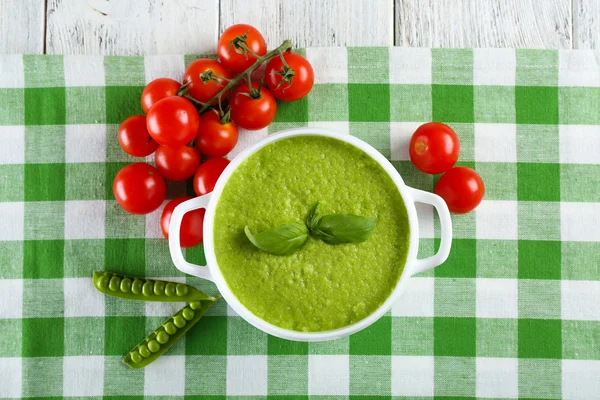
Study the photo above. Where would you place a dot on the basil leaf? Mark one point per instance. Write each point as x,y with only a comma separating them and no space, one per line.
344,228
312,218
282,240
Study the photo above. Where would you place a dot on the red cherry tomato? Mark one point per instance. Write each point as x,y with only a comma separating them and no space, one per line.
157,90
134,137
233,40
191,231
291,82
461,188
139,188
177,164
173,121
215,139
207,175
197,70
434,148
249,112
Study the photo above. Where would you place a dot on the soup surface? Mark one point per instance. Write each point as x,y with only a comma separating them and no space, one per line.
321,286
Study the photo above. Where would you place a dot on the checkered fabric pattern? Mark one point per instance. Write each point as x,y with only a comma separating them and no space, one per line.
514,312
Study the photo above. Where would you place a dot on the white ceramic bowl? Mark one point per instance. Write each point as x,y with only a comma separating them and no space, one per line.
211,270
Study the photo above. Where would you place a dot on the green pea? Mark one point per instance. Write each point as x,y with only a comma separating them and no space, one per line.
170,289
159,288
147,289
135,357
165,336
153,346
179,321
181,289
125,285
103,281
143,350
114,283
194,305
170,328
132,288
136,286
187,314
162,337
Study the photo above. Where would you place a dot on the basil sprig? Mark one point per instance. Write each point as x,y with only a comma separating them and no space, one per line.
282,240
340,228
331,229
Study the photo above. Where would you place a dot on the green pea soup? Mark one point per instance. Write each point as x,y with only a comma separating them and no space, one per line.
321,286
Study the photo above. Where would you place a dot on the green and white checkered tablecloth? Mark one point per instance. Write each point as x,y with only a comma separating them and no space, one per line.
514,312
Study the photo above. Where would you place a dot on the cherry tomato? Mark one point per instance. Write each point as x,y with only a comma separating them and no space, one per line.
207,175
198,89
215,139
249,112
177,164
190,232
134,137
157,90
291,82
139,188
461,188
434,148
173,121
233,41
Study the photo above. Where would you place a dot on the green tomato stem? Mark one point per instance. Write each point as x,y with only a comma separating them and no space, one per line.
193,100
286,45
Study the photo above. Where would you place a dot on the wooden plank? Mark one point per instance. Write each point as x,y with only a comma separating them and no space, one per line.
130,27
315,22
477,23
22,26
586,24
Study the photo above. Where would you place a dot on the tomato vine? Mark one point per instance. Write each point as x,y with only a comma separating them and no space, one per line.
203,106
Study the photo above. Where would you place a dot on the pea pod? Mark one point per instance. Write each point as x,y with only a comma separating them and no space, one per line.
146,289
165,336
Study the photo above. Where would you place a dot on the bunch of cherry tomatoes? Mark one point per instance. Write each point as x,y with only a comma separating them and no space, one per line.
434,149
199,119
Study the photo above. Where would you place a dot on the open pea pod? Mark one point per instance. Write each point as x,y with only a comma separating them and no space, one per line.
159,341
133,288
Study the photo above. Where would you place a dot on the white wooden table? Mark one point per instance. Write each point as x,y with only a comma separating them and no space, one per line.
192,26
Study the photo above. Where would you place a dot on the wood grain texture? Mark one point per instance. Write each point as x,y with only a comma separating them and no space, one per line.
484,23
586,24
22,26
192,26
130,27
315,22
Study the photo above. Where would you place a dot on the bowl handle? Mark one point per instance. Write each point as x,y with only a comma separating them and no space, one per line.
174,247
424,264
